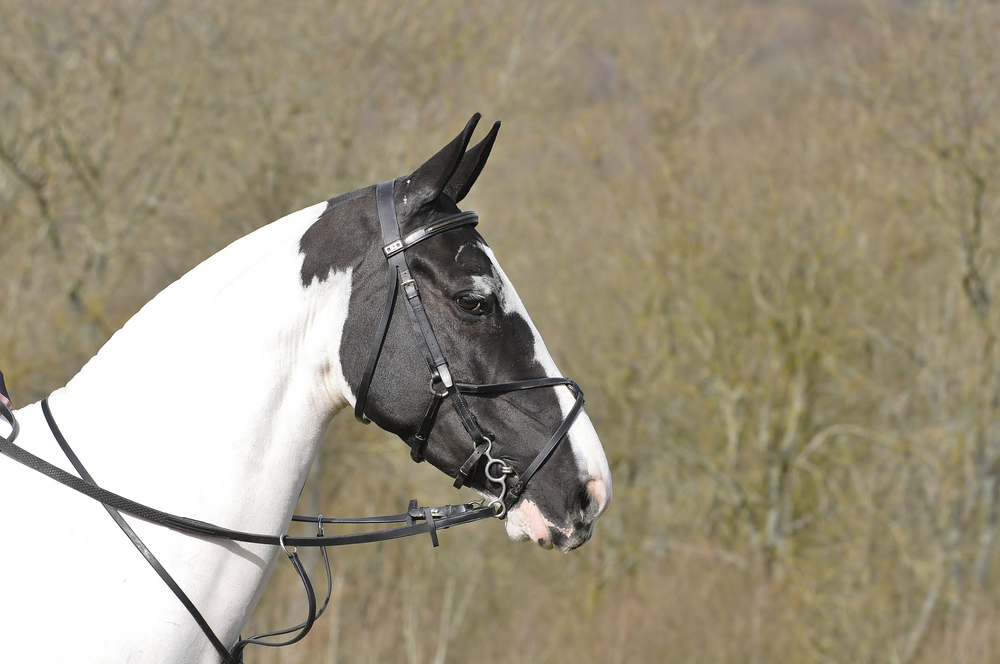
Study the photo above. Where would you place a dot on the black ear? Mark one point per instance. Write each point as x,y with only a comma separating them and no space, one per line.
428,181
472,165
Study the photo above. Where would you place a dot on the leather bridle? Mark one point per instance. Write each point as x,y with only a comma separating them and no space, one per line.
441,383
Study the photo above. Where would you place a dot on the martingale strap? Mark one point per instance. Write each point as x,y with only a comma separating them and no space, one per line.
138,543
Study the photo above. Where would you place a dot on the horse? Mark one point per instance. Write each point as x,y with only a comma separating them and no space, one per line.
212,400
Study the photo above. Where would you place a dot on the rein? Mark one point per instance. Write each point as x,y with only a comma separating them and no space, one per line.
418,520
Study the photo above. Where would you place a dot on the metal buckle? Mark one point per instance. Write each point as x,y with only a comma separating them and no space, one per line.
444,374
393,248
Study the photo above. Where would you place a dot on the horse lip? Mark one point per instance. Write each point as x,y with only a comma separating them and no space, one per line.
525,521
573,539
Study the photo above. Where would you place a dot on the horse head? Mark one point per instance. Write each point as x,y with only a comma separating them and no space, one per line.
493,440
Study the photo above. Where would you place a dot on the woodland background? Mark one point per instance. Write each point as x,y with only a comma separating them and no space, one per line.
763,236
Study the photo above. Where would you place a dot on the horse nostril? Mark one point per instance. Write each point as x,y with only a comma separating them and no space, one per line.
599,492
586,510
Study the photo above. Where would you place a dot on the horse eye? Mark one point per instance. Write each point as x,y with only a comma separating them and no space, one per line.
470,303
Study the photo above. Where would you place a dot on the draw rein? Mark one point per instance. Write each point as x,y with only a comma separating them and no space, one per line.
417,520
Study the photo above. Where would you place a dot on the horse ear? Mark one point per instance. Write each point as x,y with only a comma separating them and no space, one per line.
472,165
428,181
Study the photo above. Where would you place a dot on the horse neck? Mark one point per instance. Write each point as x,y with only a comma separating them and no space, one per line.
223,384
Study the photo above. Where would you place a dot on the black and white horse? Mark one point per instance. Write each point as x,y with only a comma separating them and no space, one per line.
212,400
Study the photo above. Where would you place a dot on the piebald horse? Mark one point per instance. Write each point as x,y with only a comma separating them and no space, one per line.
212,400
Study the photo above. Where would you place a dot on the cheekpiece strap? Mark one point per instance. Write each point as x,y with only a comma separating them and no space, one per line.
394,248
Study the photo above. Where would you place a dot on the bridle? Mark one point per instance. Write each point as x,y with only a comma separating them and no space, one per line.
441,384
510,485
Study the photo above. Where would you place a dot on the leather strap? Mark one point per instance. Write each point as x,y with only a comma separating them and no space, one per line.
467,218
518,486
408,517
302,628
314,615
530,384
445,517
7,413
424,432
463,473
394,249
399,274
376,350
138,543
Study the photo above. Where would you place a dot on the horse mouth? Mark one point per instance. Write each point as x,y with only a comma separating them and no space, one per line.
566,543
526,522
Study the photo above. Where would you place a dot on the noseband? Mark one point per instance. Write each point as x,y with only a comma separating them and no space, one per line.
441,383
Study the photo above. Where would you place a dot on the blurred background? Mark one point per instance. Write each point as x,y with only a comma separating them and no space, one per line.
763,236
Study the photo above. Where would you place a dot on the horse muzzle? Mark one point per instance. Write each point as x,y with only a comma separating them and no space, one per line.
525,521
